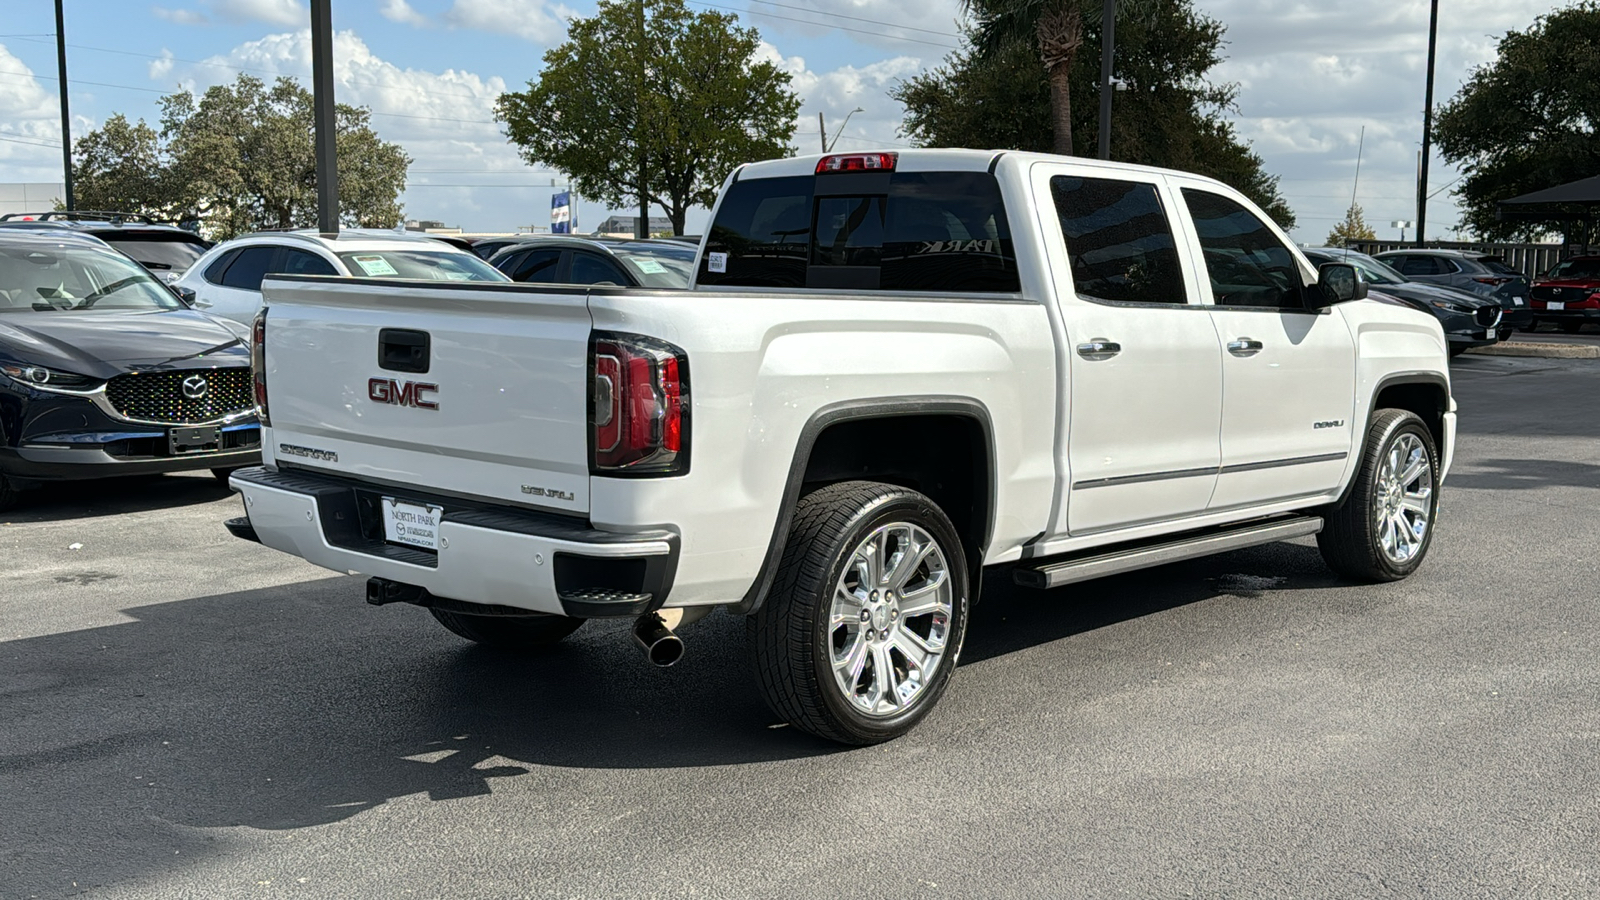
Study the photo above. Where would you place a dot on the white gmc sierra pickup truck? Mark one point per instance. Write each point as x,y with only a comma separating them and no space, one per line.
893,374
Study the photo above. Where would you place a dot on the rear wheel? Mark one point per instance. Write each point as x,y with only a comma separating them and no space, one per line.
509,632
1383,529
862,630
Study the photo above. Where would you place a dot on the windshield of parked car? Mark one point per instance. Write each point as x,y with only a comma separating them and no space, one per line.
422,265
159,254
53,279
658,265
1374,271
1576,268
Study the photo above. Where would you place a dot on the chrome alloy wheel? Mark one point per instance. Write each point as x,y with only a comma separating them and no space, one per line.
890,618
1404,507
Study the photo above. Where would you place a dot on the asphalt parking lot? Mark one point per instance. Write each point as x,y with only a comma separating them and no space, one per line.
187,715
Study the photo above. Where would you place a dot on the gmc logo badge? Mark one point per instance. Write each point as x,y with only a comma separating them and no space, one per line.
409,393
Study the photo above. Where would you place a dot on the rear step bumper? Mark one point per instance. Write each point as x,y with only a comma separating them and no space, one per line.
488,555
1067,571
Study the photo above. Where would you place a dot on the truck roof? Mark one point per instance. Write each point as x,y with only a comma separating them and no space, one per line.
925,159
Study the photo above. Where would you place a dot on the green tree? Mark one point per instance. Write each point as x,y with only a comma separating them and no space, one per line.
123,166
1353,228
1528,120
679,94
243,157
1170,115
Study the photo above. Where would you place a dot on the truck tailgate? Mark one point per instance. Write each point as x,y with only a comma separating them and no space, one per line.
494,406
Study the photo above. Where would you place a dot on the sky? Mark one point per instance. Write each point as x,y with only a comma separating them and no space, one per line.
1311,77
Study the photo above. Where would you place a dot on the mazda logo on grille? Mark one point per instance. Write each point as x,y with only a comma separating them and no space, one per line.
195,387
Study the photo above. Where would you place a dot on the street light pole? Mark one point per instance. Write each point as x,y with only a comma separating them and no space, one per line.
1427,127
323,116
1108,52
66,118
827,146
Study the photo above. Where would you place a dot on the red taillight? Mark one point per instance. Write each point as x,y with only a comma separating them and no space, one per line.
258,365
858,162
638,406
1493,281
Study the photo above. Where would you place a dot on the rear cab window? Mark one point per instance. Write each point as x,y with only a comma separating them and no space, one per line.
863,230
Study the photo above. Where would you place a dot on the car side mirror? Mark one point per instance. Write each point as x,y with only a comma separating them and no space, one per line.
1337,283
184,294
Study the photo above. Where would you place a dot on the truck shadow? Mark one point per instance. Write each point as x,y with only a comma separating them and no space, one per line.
300,706
67,500
1524,474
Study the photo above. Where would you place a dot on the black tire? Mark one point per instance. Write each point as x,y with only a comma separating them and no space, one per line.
792,639
1570,327
509,632
8,494
1456,350
222,474
1349,541
1505,334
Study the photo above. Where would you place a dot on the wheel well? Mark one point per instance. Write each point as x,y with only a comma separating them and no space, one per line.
944,457
1426,399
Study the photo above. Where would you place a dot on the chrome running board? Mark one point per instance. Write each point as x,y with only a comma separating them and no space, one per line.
1049,574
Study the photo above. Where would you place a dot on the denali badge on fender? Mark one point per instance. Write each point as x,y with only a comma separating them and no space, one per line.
409,393
1336,423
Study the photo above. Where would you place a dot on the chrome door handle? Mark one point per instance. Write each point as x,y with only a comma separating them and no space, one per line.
1244,347
1099,348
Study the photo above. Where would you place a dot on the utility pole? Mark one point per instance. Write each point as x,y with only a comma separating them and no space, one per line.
822,127
1427,127
66,118
1108,52
641,230
322,109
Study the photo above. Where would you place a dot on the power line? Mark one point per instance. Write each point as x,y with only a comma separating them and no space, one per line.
815,24
13,140
818,12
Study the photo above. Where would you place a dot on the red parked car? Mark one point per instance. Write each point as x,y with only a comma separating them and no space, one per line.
1569,294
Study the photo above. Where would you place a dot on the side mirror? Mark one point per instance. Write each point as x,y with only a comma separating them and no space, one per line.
184,294
1337,283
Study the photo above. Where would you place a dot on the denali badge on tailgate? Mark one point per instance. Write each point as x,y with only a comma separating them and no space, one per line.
407,393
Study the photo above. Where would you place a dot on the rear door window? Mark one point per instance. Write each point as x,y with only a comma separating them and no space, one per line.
535,265
905,231
249,267
1119,240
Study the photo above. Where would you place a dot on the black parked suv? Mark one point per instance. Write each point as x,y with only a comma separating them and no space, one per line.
105,371
161,247
1468,319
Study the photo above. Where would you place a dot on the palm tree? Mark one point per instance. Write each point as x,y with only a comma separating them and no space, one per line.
1056,27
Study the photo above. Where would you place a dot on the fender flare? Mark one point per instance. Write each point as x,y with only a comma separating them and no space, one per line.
870,408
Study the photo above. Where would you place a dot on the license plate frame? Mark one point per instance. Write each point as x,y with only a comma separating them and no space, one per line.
184,441
1555,304
411,524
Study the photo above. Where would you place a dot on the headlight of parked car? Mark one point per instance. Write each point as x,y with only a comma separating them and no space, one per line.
45,377
1446,304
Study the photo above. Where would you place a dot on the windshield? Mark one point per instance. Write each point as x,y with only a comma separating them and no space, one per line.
158,254
1374,271
656,265
59,279
1576,268
423,265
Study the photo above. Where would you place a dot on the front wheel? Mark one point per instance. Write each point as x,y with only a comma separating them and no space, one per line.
1383,529
861,632
1570,327
508,632
8,494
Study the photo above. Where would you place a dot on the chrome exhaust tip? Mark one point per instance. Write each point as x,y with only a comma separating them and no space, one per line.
661,646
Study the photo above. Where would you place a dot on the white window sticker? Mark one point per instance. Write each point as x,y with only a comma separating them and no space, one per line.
717,262
375,266
649,266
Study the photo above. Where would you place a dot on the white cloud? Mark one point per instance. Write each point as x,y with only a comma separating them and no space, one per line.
401,11
836,93
273,12
30,124
160,68
533,20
